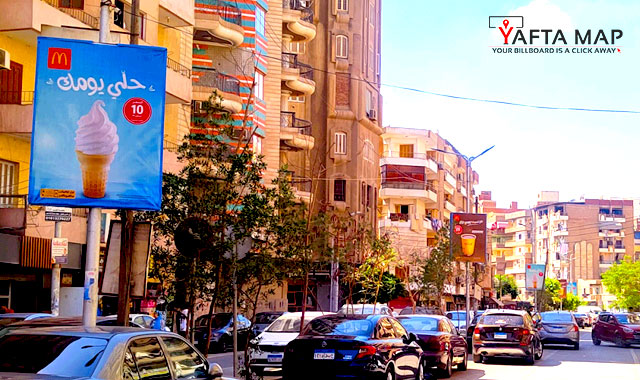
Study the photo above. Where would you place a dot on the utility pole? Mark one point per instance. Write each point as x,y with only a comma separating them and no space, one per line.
90,297
55,277
468,210
127,226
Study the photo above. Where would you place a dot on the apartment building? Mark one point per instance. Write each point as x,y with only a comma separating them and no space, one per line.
420,188
25,237
579,241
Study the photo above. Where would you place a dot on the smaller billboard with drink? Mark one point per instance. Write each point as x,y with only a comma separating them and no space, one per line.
534,276
469,237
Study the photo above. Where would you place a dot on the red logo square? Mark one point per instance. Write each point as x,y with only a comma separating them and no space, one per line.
59,59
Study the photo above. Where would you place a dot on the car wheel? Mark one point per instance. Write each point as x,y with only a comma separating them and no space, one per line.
448,371
530,359
595,340
576,345
620,342
477,358
540,351
390,375
462,366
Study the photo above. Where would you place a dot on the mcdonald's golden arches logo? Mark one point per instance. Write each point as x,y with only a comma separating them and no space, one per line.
59,59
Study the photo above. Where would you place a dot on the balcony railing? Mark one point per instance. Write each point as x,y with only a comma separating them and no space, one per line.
16,97
301,183
290,60
398,217
77,13
289,120
422,156
223,82
300,5
13,213
224,10
404,185
178,68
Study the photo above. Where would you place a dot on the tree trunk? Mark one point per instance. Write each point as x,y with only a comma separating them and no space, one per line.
214,299
304,300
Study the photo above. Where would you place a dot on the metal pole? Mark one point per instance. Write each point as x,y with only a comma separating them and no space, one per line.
55,277
90,298
468,209
104,21
235,321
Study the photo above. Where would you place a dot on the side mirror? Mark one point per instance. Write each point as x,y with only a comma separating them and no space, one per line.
412,337
215,372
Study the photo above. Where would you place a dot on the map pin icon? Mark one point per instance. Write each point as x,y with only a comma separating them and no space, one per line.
505,23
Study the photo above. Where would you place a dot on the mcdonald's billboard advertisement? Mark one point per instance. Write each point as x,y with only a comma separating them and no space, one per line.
98,125
534,276
469,237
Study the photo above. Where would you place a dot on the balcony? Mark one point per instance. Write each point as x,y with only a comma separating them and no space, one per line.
16,111
611,218
177,13
611,234
463,191
295,134
449,183
227,87
610,248
416,159
450,206
24,19
515,228
297,77
297,20
13,215
179,88
218,24
558,216
560,232
421,190
512,243
301,188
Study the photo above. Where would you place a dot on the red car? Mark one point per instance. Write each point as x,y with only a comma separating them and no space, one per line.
442,345
623,329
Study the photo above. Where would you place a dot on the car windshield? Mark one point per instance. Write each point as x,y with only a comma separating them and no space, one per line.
339,326
579,315
502,319
628,319
556,317
287,325
55,355
420,324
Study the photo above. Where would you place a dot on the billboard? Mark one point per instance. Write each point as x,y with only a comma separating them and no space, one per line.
572,288
534,276
469,237
98,125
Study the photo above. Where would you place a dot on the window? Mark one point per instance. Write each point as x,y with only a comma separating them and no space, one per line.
186,362
369,151
340,190
118,14
406,151
5,293
369,196
150,359
297,99
8,181
364,194
259,88
400,331
297,47
342,46
143,26
129,369
75,4
341,143
385,330
259,20
371,102
343,5
257,145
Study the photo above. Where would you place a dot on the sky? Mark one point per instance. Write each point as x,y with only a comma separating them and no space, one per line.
444,47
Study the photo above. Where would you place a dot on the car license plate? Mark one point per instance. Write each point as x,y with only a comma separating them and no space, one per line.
324,355
500,335
274,358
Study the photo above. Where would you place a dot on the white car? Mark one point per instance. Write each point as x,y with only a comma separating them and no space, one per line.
267,349
366,309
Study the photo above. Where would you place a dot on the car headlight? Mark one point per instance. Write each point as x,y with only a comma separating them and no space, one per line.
627,330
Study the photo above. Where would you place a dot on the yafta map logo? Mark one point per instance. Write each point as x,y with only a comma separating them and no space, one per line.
512,38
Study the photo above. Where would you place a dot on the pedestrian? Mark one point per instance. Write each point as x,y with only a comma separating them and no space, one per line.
182,322
157,321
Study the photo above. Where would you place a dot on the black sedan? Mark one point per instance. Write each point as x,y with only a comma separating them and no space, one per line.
221,334
442,346
355,347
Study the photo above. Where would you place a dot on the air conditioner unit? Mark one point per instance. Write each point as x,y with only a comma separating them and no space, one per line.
5,60
372,115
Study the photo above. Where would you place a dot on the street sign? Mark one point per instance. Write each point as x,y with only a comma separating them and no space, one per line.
469,237
57,214
59,250
534,276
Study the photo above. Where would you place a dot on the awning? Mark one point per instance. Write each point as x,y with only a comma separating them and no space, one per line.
496,301
35,252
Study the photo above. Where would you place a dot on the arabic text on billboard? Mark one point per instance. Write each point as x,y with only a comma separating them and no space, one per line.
97,125
469,237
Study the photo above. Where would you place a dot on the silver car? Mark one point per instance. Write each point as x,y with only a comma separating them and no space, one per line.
559,327
106,353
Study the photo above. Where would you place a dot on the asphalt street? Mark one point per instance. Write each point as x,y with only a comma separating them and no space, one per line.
604,362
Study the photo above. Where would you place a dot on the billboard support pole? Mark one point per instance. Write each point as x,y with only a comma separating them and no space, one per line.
468,209
55,277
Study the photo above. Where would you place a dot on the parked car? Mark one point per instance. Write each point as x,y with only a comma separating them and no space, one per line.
472,326
263,320
459,319
9,318
421,310
144,320
353,346
267,350
559,327
623,329
582,319
221,334
442,346
365,309
106,353
506,333
59,322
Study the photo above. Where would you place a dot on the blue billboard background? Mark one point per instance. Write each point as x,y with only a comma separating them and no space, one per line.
79,78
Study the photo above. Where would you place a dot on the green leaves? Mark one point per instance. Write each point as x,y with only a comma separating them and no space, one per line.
506,285
438,267
623,281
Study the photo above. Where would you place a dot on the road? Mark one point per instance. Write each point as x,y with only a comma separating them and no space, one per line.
591,362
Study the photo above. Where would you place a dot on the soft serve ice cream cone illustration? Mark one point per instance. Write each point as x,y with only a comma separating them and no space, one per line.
96,145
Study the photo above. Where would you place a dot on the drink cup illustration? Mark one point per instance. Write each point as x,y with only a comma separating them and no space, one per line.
468,244
96,146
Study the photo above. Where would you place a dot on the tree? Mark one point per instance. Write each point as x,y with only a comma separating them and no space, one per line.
506,285
550,297
623,281
571,302
438,267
